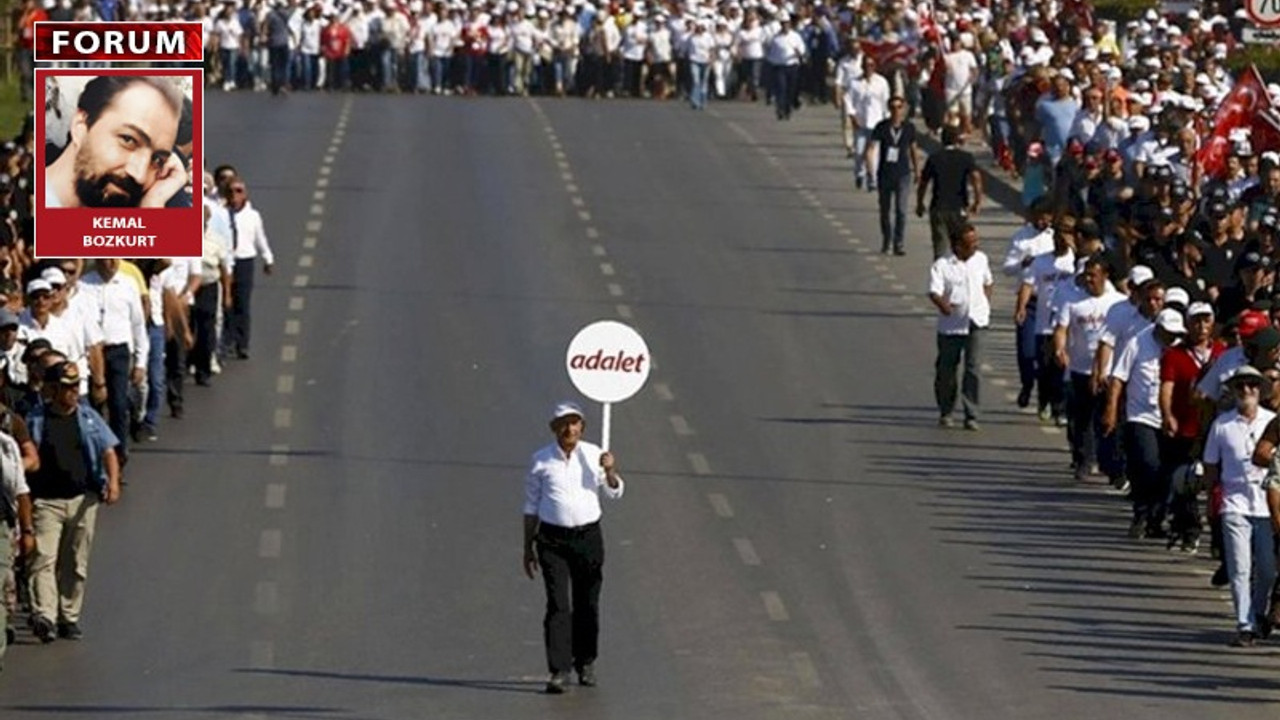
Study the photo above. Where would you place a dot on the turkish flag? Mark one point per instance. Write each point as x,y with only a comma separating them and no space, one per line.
1248,105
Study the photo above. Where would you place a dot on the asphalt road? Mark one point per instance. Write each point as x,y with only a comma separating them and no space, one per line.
334,532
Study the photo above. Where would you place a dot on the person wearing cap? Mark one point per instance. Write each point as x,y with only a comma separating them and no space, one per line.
1249,538
1136,377
1077,327
1260,348
960,286
953,174
78,470
1181,367
699,48
562,536
79,340
1255,281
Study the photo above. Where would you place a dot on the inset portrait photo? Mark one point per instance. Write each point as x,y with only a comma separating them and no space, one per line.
116,140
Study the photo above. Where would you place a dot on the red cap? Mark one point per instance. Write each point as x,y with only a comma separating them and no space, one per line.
1251,321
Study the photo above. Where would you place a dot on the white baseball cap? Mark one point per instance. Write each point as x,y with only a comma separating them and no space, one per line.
1171,321
1139,274
565,409
1199,308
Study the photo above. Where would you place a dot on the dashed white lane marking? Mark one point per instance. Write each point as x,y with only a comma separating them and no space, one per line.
325,169
606,269
746,551
577,201
566,176
593,233
1049,430
306,261
862,250
269,544
584,216
805,670
774,606
890,276
624,312
333,150
663,391
844,231
899,287
699,463
616,290
563,165
279,455
318,195
283,418
598,250
301,281
322,182
720,504
317,209
313,226
266,598
986,367
262,654
571,188
999,382
328,160
297,303
310,242
292,327
284,385
275,496
680,426
289,353
829,217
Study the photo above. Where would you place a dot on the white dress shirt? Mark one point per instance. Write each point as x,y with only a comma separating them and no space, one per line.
249,233
565,491
1085,320
68,337
786,48
1231,443
1027,242
119,313
964,284
867,100
1045,273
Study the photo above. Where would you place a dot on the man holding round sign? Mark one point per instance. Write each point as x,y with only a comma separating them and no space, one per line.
608,362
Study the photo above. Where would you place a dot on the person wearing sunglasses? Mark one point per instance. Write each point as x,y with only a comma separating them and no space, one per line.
249,243
1246,521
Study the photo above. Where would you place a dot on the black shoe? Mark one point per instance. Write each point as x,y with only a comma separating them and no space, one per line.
203,382
43,629
1246,639
10,636
587,675
242,354
149,433
1220,577
884,250
175,412
899,251
70,631
1024,398
1137,528
558,684
1264,625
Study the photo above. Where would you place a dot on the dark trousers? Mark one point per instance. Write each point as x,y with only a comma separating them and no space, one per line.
279,58
118,363
204,325
1028,359
572,562
951,348
175,372
786,89
895,193
1184,495
1084,426
1150,484
1050,380
238,323
940,224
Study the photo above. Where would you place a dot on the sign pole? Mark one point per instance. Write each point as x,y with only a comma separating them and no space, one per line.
606,420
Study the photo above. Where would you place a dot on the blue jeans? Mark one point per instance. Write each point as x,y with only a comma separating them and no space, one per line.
1025,338
895,193
310,69
863,170
1150,491
338,76
228,59
155,376
419,76
390,69
1251,565
439,73
698,91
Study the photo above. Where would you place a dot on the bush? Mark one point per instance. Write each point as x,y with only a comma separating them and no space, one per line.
1266,57
1122,11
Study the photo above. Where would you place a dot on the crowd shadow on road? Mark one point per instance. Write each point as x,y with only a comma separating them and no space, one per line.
290,711
525,687
1100,614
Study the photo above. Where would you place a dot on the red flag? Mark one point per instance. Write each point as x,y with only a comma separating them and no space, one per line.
889,53
1248,105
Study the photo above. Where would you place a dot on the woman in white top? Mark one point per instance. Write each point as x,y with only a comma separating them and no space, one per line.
701,46
230,34
722,60
309,46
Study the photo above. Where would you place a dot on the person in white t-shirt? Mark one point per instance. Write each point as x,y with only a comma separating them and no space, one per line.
749,52
960,287
1076,331
1040,282
1136,377
960,79
1032,239
1248,536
